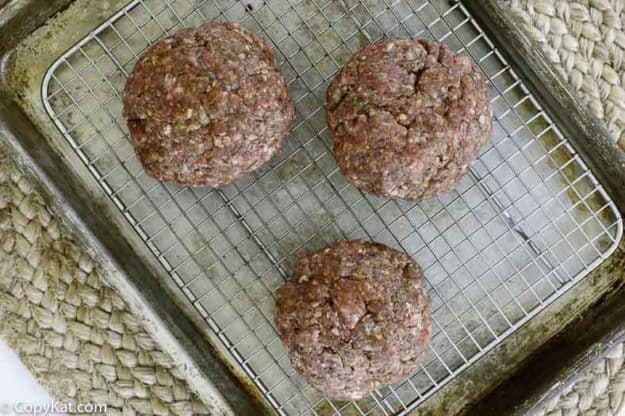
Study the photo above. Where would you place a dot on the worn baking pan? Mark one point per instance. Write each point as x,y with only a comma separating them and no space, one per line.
527,244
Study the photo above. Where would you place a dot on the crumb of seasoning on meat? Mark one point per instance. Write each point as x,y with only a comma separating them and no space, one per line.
409,117
354,317
207,105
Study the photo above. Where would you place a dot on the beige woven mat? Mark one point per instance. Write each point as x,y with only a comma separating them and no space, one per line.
73,332
601,391
585,40
77,336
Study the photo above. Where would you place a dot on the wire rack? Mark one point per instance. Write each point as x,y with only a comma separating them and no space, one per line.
528,221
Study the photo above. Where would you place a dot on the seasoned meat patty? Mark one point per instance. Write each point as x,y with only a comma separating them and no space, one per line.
409,117
354,317
207,105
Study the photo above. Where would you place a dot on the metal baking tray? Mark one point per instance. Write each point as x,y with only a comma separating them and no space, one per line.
527,224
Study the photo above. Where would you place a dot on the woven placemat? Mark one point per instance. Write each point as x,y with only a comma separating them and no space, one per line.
69,327
601,391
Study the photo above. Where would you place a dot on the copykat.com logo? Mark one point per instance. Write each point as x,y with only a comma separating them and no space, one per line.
53,408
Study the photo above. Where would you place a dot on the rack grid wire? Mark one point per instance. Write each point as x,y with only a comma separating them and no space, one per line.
526,223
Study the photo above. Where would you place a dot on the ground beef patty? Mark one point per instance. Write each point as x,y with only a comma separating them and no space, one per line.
409,117
207,105
354,317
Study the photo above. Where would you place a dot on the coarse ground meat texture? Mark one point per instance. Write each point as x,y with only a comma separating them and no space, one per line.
354,317
409,117
207,105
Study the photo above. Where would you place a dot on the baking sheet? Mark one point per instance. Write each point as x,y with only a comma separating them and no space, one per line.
526,223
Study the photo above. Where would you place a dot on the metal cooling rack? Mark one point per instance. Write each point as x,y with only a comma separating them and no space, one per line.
528,222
